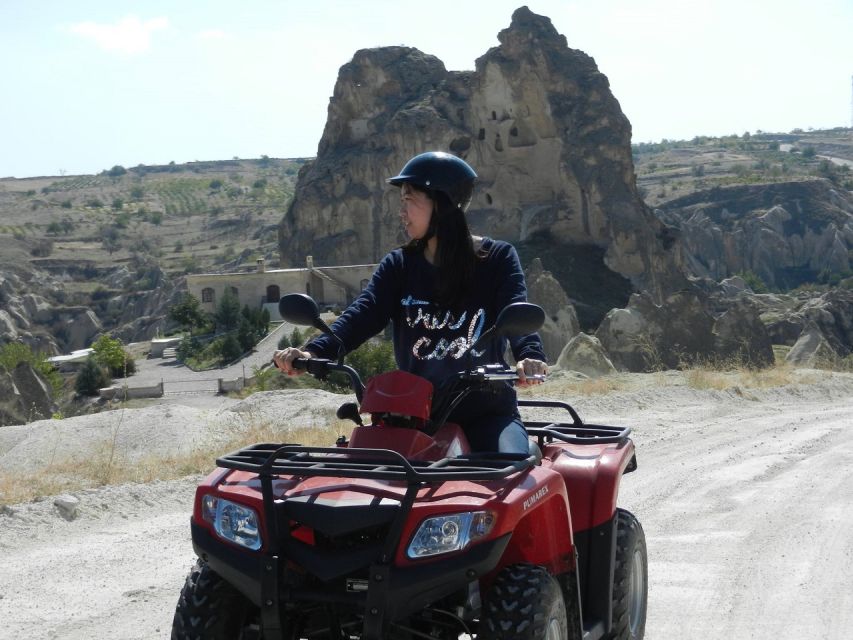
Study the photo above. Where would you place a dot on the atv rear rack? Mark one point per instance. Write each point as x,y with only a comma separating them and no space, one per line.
575,432
269,460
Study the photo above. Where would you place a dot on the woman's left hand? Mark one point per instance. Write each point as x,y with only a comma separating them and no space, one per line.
530,367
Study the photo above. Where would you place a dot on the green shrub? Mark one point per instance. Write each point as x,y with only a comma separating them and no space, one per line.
372,358
228,312
753,281
189,314
91,378
42,248
14,353
110,354
230,348
188,348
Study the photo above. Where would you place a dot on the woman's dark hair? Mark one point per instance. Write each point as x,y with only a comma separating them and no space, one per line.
455,258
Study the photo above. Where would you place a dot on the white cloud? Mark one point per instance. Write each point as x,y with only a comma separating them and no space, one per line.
128,35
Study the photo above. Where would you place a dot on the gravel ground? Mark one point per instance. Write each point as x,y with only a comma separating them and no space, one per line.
745,497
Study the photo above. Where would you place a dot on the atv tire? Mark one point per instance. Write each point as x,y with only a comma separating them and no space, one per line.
211,609
630,579
525,602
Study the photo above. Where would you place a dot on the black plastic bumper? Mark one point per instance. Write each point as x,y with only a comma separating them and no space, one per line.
393,593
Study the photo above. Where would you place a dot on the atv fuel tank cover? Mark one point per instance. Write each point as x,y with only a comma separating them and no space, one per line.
398,392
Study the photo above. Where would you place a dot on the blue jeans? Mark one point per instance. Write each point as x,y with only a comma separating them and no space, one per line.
505,434
491,422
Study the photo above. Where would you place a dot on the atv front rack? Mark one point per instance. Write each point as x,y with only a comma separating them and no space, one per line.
268,460
576,432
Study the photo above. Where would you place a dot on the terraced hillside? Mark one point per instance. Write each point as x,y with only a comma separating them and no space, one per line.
676,168
204,216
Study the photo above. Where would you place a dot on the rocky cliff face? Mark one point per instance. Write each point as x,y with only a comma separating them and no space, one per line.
33,311
536,119
24,396
786,233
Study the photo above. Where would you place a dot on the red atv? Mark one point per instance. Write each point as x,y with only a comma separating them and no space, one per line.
402,532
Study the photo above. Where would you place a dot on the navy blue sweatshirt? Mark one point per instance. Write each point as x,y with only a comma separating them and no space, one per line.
430,341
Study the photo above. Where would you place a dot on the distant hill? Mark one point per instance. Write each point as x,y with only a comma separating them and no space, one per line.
199,216
82,254
675,168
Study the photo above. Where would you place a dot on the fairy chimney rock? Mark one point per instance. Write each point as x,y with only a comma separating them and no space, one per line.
535,118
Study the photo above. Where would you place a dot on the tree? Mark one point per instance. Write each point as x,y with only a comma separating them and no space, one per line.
246,335
91,378
110,353
189,314
110,239
372,358
231,349
228,312
116,171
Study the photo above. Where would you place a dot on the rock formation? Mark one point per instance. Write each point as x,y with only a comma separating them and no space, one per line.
561,320
24,396
32,311
832,315
811,350
536,119
646,336
585,354
786,233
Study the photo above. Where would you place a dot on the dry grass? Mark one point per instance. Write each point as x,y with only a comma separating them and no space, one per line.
583,387
106,467
722,378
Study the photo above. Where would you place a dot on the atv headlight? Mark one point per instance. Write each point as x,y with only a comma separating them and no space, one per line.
443,534
232,521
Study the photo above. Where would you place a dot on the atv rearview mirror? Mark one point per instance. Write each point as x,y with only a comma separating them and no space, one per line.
516,319
301,309
297,308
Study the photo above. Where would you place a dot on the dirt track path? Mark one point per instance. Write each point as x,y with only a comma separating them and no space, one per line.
747,505
748,515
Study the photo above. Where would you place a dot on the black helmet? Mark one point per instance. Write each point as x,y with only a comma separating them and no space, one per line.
439,171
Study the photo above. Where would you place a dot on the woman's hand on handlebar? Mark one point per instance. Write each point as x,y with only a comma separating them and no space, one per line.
284,360
528,368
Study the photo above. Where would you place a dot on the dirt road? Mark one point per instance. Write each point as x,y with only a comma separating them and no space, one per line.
746,499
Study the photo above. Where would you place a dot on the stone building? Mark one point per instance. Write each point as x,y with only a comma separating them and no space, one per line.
331,287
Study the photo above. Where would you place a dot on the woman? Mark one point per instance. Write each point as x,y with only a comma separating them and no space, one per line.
441,291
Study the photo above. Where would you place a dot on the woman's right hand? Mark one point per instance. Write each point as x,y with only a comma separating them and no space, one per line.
284,360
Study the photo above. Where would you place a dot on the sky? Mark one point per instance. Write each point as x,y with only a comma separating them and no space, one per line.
89,84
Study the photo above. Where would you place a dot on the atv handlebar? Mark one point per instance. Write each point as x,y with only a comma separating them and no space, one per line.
321,367
495,373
